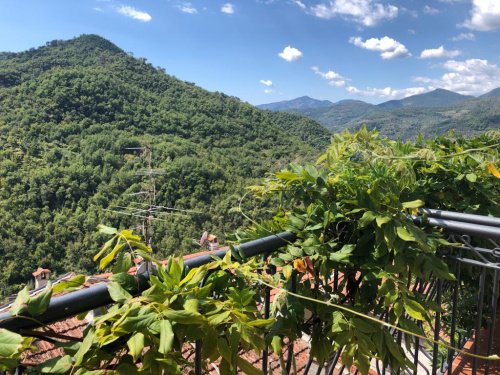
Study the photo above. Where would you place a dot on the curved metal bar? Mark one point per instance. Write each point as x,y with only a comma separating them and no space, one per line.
484,231
97,295
459,216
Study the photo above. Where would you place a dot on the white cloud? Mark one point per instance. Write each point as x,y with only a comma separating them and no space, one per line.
227,8
300,4
469,77
290,54
430,10
464,36
411,12
412,31
388,47
266,82
484,16
187,8
98,9
433,53
387,92
268,91
134,13
333,78
364,12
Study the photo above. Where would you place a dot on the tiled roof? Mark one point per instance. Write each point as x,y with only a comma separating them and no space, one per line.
45,350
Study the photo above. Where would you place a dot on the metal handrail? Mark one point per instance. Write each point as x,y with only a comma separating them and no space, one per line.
463,217
484,227
97,295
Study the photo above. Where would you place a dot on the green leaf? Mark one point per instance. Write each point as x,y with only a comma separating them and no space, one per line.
295,251
381,220
166,337
21,302
39,303
219,318
288,176
105,248
277,345
136,345
106,230
192,304
58,365
342,256
394,348
69,285
366,219
472,177
117,293
415,309
184,316
261,322
10,343
366,326
247,367
84,348
404,234
123,263
414,204
109,258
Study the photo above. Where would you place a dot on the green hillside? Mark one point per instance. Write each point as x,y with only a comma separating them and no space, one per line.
69,110
435,98
468,118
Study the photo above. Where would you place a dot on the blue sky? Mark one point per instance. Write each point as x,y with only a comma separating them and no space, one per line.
263,50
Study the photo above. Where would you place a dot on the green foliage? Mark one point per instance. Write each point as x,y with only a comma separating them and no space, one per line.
351,213
69,110
11,347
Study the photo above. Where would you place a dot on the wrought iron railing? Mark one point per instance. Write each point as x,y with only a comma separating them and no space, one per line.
476,251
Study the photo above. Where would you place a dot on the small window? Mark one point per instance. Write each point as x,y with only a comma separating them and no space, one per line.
43,275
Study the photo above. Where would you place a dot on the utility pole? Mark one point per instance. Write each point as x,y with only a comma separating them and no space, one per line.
149,191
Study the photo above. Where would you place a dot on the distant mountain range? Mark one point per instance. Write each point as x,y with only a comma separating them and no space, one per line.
304,102
435,112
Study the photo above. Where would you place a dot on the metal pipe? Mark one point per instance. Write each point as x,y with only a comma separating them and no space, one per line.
459,216
484,231
97,295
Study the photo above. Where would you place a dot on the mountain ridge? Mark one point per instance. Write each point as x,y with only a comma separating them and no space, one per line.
430,113
303,102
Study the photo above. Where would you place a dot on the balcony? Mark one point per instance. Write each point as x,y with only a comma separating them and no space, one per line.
462,332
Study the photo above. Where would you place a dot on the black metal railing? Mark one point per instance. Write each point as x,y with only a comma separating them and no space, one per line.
474,256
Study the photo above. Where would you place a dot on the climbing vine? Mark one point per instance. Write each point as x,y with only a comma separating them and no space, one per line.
357,247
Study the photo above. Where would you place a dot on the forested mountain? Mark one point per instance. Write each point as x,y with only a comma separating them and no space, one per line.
336,116
304,102
436,112
492,93
68,112
435,98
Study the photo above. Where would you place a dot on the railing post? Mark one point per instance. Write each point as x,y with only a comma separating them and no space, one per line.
482,282
494,304
456,286
437,327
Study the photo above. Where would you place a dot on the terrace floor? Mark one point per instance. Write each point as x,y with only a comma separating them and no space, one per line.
463,364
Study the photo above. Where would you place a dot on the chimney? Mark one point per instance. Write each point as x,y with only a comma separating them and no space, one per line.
213,242
41,276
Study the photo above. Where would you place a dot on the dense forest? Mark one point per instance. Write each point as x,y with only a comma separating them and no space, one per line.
68,113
